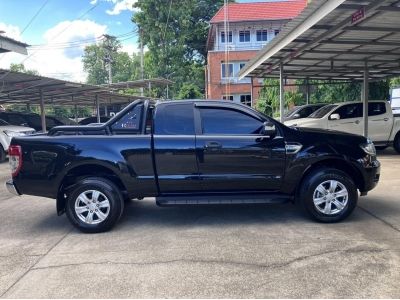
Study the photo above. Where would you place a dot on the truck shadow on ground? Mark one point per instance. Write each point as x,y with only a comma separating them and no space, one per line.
147,213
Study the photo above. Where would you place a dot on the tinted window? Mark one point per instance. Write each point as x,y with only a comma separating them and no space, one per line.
15,119
305,112
174,119
376,108
131,121
318,114
350,111
227,121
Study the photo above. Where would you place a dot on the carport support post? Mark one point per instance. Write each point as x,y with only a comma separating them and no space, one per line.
42,112
364,98
76,113
282,93
97,108
307,91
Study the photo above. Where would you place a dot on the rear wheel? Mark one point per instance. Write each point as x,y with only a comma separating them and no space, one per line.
396,143
94,205
328,195
3,154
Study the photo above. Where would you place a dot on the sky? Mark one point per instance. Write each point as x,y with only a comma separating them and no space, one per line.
49,25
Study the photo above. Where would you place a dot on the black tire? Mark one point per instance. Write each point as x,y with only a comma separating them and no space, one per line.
3,154
309,186
380,148
109,192
396,143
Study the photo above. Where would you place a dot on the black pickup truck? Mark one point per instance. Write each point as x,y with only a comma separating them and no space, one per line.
192,152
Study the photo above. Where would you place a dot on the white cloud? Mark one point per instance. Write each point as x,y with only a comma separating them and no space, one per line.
120,6
10,31
52,60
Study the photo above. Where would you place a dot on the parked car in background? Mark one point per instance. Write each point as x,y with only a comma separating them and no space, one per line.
93,120
383,127
7,132
192,152
395,100
33,120
303,111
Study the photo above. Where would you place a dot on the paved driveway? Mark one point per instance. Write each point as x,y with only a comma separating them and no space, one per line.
225,251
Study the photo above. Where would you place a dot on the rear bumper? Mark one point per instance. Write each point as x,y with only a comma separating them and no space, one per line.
11,188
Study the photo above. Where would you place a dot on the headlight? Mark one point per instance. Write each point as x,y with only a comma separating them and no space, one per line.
369,147
13,133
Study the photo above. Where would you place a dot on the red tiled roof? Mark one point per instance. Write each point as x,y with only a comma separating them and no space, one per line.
255,11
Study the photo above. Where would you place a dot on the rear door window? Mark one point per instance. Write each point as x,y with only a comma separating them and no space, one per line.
376,108
174,119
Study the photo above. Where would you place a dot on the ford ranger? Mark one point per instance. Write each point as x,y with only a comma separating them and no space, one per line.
192,152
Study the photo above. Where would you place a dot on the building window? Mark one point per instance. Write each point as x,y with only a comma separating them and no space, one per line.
223,37
241,65
226,70
244,36
245,99
262,35
227,97
277,32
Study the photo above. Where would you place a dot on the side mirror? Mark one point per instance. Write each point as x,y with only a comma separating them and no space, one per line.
296,116
269,130
334,117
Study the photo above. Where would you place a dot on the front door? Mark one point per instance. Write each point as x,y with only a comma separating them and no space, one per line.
350,119
234,155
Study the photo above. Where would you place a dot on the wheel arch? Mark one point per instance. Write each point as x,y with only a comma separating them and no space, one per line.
338,164
80,172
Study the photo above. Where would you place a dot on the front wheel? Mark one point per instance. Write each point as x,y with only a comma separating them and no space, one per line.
328,195
396,143
3,154
94,205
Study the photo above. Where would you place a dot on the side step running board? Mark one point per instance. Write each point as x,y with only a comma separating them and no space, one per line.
223,199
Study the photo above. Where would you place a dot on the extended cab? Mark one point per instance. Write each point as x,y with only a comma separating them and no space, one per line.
383,127
192,152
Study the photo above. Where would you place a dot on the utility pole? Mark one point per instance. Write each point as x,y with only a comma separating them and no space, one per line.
141,60
109,46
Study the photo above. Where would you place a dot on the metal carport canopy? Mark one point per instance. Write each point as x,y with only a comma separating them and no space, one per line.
22,88
335,40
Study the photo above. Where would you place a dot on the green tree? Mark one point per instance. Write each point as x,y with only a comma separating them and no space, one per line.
268,102
189,91
125,66
21,68
175,33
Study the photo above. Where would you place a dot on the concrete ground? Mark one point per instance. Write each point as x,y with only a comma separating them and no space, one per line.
206,252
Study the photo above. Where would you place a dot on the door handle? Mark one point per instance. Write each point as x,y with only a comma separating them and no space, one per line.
213,145
386,119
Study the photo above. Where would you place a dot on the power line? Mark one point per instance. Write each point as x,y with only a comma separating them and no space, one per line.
30,21
34,17
166,24
61,32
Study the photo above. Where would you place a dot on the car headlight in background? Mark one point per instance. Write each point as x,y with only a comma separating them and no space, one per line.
369,147
13,133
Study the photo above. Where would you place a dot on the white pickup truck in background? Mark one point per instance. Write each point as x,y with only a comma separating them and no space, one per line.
395,101
383,127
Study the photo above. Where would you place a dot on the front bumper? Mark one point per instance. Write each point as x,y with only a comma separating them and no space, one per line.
372,172
11,188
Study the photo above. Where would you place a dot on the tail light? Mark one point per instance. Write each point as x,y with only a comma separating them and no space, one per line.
15,159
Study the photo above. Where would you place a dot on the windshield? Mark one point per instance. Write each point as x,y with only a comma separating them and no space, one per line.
318,114
3,123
